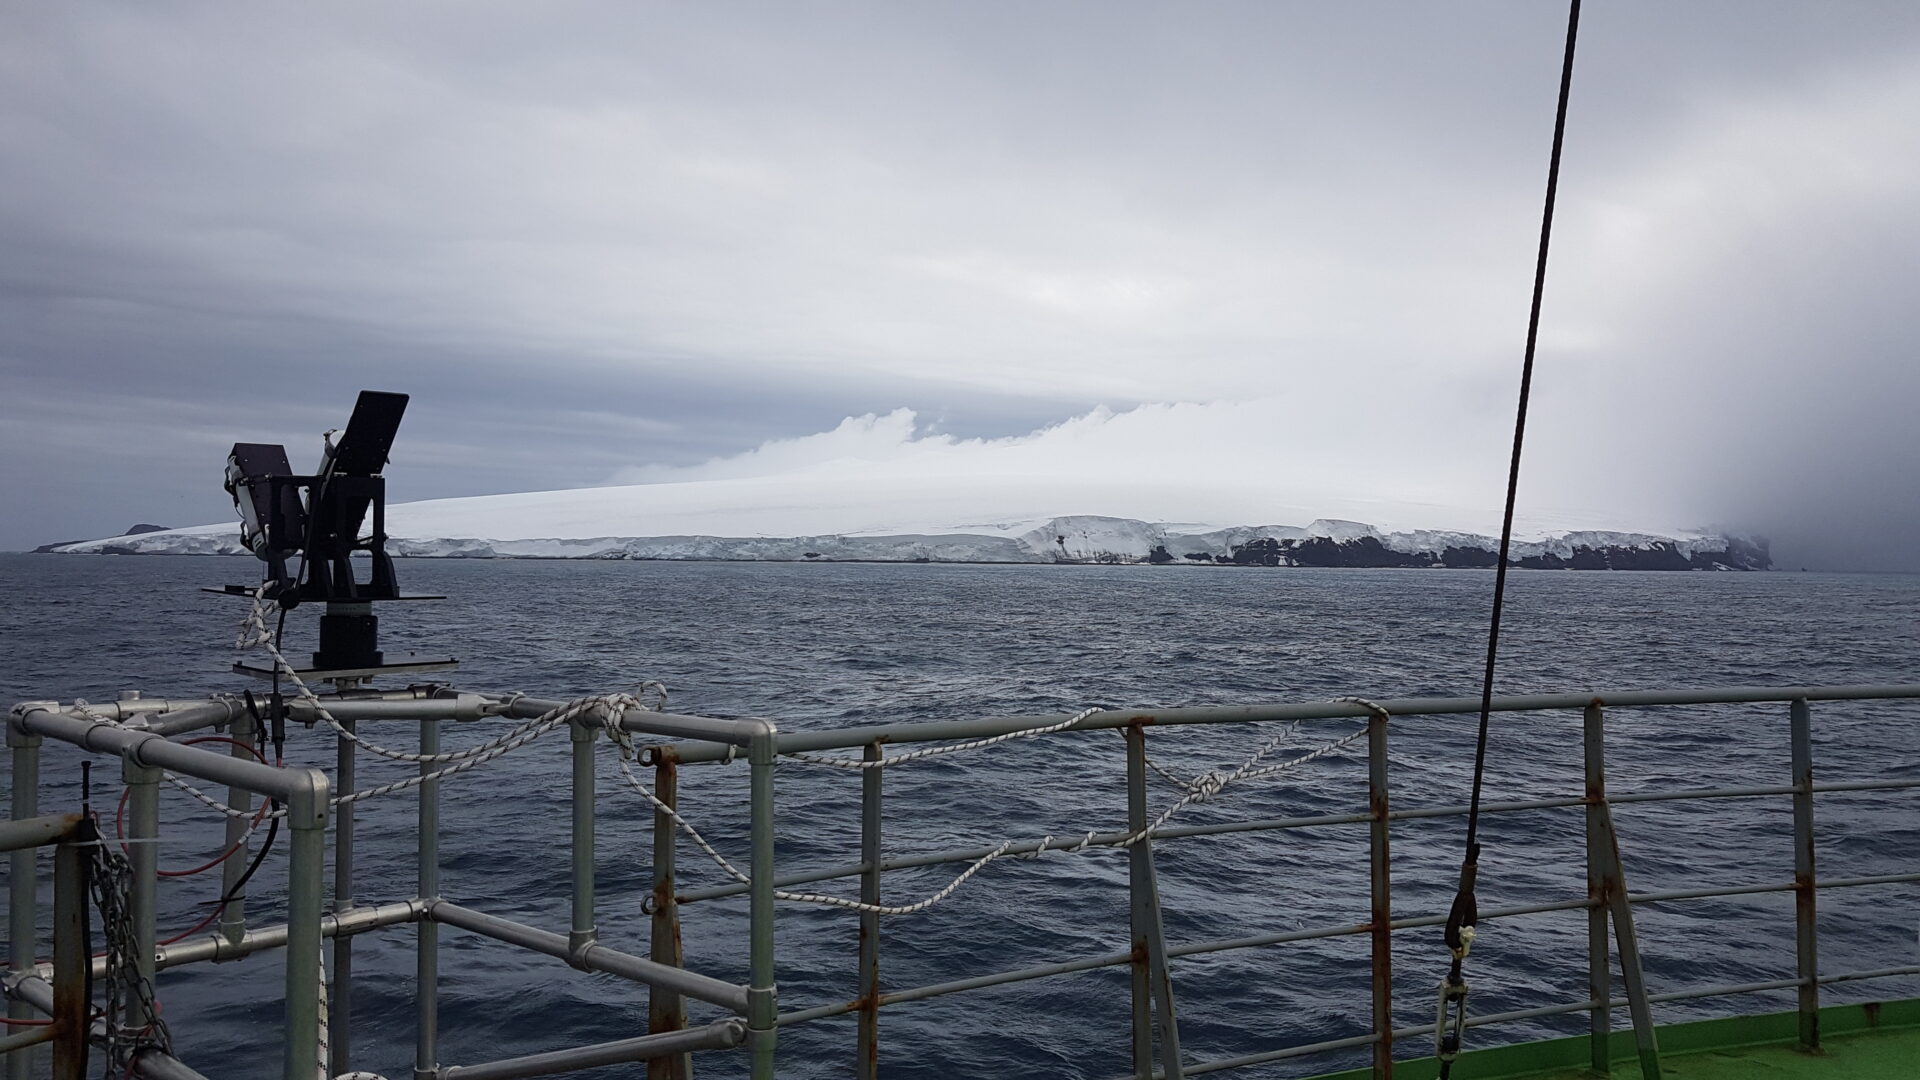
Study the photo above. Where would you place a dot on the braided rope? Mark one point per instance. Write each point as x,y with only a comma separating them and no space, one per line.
935,751
1201,789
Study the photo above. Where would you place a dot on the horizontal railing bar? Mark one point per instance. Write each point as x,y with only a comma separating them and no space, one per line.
818,1012
715,1036
1874,973
18,833
939,730
1110,839
216,947
1700,793
1200,948
1723,990
1664,895
707,730
1877,879
150,1064
1244,1060
1865,785
193,717
594,957
149,748
355,920
33,1036
978,982
454,707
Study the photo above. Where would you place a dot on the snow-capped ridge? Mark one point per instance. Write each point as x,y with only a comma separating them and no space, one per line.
1074,538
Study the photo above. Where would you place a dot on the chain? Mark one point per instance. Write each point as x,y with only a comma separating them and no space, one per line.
129,993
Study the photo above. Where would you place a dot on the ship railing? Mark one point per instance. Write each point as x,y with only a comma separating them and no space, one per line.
140,733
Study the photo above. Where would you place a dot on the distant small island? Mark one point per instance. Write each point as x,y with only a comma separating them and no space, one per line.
1077,539
134,530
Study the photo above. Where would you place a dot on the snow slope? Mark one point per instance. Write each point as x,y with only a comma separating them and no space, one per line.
587,524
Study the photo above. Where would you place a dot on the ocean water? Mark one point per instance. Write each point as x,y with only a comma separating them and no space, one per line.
819,645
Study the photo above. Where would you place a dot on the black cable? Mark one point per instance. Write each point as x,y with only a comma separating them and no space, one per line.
273,830
1464,913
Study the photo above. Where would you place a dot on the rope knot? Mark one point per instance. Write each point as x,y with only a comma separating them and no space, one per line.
1207,785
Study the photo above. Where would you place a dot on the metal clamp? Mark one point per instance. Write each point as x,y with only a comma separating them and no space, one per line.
1450,1021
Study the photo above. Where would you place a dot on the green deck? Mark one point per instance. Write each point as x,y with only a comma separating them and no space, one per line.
1877,1041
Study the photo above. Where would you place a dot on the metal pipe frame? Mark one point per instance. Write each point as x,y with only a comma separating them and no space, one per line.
145,750
38,994
594,957
233,917
762,1007
1806,887
1149,935
1380,895
583,931
867,1039
666,1009
1607,890
851,737
1174,832
143,824
716,1036
426,988
307,812
22,881
149,749
340,1000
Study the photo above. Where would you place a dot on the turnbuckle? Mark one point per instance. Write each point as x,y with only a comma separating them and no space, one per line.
1450,1022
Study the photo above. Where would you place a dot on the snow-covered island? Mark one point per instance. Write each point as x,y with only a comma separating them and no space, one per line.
1069,539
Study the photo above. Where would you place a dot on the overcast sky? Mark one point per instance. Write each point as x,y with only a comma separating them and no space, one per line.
614,242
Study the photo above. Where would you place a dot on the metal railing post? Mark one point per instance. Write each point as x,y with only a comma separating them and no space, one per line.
426,989
340,999
233,917
1380,878
1144,889
143,825
666,1009
1806,930
1613,891
71,1007
306,886
867,1066
1599,973
583,931
762,756
1139,968
22,884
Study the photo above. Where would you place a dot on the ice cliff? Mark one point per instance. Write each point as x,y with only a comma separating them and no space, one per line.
1070,539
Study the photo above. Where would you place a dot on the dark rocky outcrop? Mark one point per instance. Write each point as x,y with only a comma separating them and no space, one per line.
49,549
1369,552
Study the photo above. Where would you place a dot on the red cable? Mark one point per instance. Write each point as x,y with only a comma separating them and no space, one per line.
120,815
24,1023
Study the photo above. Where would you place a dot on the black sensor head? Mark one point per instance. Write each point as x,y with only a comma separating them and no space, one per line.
249,469
363,447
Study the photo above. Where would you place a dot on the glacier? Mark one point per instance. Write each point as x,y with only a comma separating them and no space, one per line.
420,530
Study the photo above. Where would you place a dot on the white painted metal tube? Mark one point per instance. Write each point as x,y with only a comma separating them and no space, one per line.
716,1036
594,957
148,748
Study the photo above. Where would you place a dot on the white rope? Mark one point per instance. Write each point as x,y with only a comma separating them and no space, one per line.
935,751
254,632
325,1052
1203,788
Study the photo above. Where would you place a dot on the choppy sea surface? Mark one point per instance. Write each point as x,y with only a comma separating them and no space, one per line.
822,645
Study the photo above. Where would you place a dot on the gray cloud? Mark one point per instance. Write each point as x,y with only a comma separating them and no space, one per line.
591,237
